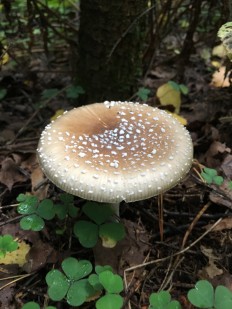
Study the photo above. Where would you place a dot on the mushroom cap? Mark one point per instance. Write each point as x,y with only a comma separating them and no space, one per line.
115,151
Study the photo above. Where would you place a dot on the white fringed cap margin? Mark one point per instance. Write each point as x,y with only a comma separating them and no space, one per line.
115,151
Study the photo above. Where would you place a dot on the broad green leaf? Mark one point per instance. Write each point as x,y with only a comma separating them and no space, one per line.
223,298
218,180
110,301
202,295
143,93
73,92
31,305
28,204
46,209
159,300
3,93
94,282
207,177
174,85
112,283
174,304
79,291
210,171
98,212
32,222
61,211
75,269
7,244
230,185
111,233
58,285
49,93
87,233
99,269
184,89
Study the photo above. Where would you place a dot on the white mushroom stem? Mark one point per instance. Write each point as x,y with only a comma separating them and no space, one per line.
115,207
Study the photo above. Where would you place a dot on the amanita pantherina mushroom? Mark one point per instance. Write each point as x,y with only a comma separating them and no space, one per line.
115,151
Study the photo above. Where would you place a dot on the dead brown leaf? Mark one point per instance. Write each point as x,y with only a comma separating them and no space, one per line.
221,78
225,224
38,256
210,270
227,166
11,173
211,155
7,293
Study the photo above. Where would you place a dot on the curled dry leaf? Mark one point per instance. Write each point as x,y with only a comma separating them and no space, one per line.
211,270
225,224
221,78
11,173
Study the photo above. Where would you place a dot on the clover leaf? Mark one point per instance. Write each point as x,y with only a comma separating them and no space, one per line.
162,300
202,296
34,212
7,244
70,284
211,177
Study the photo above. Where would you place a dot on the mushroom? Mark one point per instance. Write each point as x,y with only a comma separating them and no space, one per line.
115,151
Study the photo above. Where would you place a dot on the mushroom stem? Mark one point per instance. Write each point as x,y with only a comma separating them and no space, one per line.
115,208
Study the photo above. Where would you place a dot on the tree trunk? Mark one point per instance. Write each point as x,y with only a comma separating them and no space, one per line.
109,53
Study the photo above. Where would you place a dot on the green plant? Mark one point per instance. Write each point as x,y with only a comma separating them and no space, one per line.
3,93
162,300
74,91
230,184
88,232
225,34
74,285
66,207
204,296
34,305
179,87
211,177
143,93
7,244
104,279
34,212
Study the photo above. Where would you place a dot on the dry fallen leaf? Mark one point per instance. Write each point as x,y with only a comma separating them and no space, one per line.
225,224
219,79
169,96
8,292
34,259
10,173
211,269
181,119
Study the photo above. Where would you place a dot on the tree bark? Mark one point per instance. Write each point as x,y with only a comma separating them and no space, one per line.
110,44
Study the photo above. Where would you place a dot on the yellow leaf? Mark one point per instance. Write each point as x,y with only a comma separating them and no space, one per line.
58,113
4,58
18,256
219,51
181,119
169,96
216,64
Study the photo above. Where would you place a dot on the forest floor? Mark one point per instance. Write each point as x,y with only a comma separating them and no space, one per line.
194,241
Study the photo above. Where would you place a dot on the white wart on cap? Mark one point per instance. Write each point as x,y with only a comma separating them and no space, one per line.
115,151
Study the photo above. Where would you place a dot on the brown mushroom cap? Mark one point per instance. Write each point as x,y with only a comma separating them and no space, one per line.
115,151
